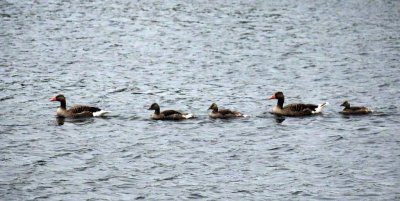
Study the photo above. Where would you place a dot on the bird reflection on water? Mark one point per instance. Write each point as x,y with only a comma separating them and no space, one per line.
80,121
279,119
60,121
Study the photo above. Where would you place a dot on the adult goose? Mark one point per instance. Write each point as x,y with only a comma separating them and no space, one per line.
168,114
295,109
355,109
223,114
76,111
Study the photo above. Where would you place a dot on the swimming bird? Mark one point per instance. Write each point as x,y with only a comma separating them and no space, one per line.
168,114
295,109
223,114
355,109
76,111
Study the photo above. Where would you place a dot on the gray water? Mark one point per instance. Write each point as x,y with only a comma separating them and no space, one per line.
124,55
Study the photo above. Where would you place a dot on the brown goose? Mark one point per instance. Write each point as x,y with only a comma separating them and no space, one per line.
354,110
295,109
223,114
168,114
76,111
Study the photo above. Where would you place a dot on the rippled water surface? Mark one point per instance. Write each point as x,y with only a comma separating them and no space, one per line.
124,55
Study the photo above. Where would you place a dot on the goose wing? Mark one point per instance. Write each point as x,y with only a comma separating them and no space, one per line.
82,108
226,112
230,113
81,114
299,107
358,108
170,112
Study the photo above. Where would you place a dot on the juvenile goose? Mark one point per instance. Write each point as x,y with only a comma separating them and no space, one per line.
76,111
223,114
354,110
295,109
168,114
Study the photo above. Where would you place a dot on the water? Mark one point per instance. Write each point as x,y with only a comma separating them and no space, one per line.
123,55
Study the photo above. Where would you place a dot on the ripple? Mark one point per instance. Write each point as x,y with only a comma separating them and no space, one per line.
125,56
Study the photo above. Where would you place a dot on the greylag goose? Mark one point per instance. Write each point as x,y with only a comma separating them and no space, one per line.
355,109
76,111
168,114
295,109
223,114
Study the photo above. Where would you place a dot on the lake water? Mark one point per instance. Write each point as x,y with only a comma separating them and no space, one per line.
124,55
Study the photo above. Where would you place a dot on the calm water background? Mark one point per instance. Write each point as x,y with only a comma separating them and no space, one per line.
124,55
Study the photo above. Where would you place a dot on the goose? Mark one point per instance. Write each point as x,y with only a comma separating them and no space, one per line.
223,114
355,109
168,114
295,109
76,111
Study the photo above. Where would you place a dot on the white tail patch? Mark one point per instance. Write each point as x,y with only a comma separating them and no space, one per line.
187,116
245,115
320,107
100,113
